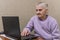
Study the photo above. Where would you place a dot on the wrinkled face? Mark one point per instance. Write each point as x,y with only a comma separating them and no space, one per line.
40,11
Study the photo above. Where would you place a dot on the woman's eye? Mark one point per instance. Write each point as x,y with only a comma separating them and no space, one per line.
40,9
36,10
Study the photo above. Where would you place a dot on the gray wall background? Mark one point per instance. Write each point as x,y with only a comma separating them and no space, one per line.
25,9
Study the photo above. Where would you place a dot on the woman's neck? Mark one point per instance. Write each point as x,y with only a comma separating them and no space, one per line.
43,18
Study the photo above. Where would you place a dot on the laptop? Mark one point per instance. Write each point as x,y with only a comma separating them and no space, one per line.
11,26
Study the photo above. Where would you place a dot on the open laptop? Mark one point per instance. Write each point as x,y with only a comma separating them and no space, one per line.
11,26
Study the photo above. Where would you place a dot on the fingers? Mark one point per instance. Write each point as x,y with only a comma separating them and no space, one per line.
25,32
39,38
28,33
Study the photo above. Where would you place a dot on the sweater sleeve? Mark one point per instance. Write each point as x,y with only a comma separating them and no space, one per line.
30,25
55,31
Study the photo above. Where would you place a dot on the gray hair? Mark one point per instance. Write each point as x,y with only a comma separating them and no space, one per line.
43,5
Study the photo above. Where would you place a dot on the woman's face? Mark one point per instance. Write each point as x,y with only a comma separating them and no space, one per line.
40,11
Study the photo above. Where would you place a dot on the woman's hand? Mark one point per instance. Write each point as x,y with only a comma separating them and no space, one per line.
25,32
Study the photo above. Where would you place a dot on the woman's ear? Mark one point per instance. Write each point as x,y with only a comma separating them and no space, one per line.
46,10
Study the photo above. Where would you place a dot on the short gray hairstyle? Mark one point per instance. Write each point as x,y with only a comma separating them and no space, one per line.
43,5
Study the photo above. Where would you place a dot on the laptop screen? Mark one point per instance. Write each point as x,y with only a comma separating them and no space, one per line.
11,26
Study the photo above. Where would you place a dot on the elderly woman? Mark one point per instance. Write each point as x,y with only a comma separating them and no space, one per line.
45,26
